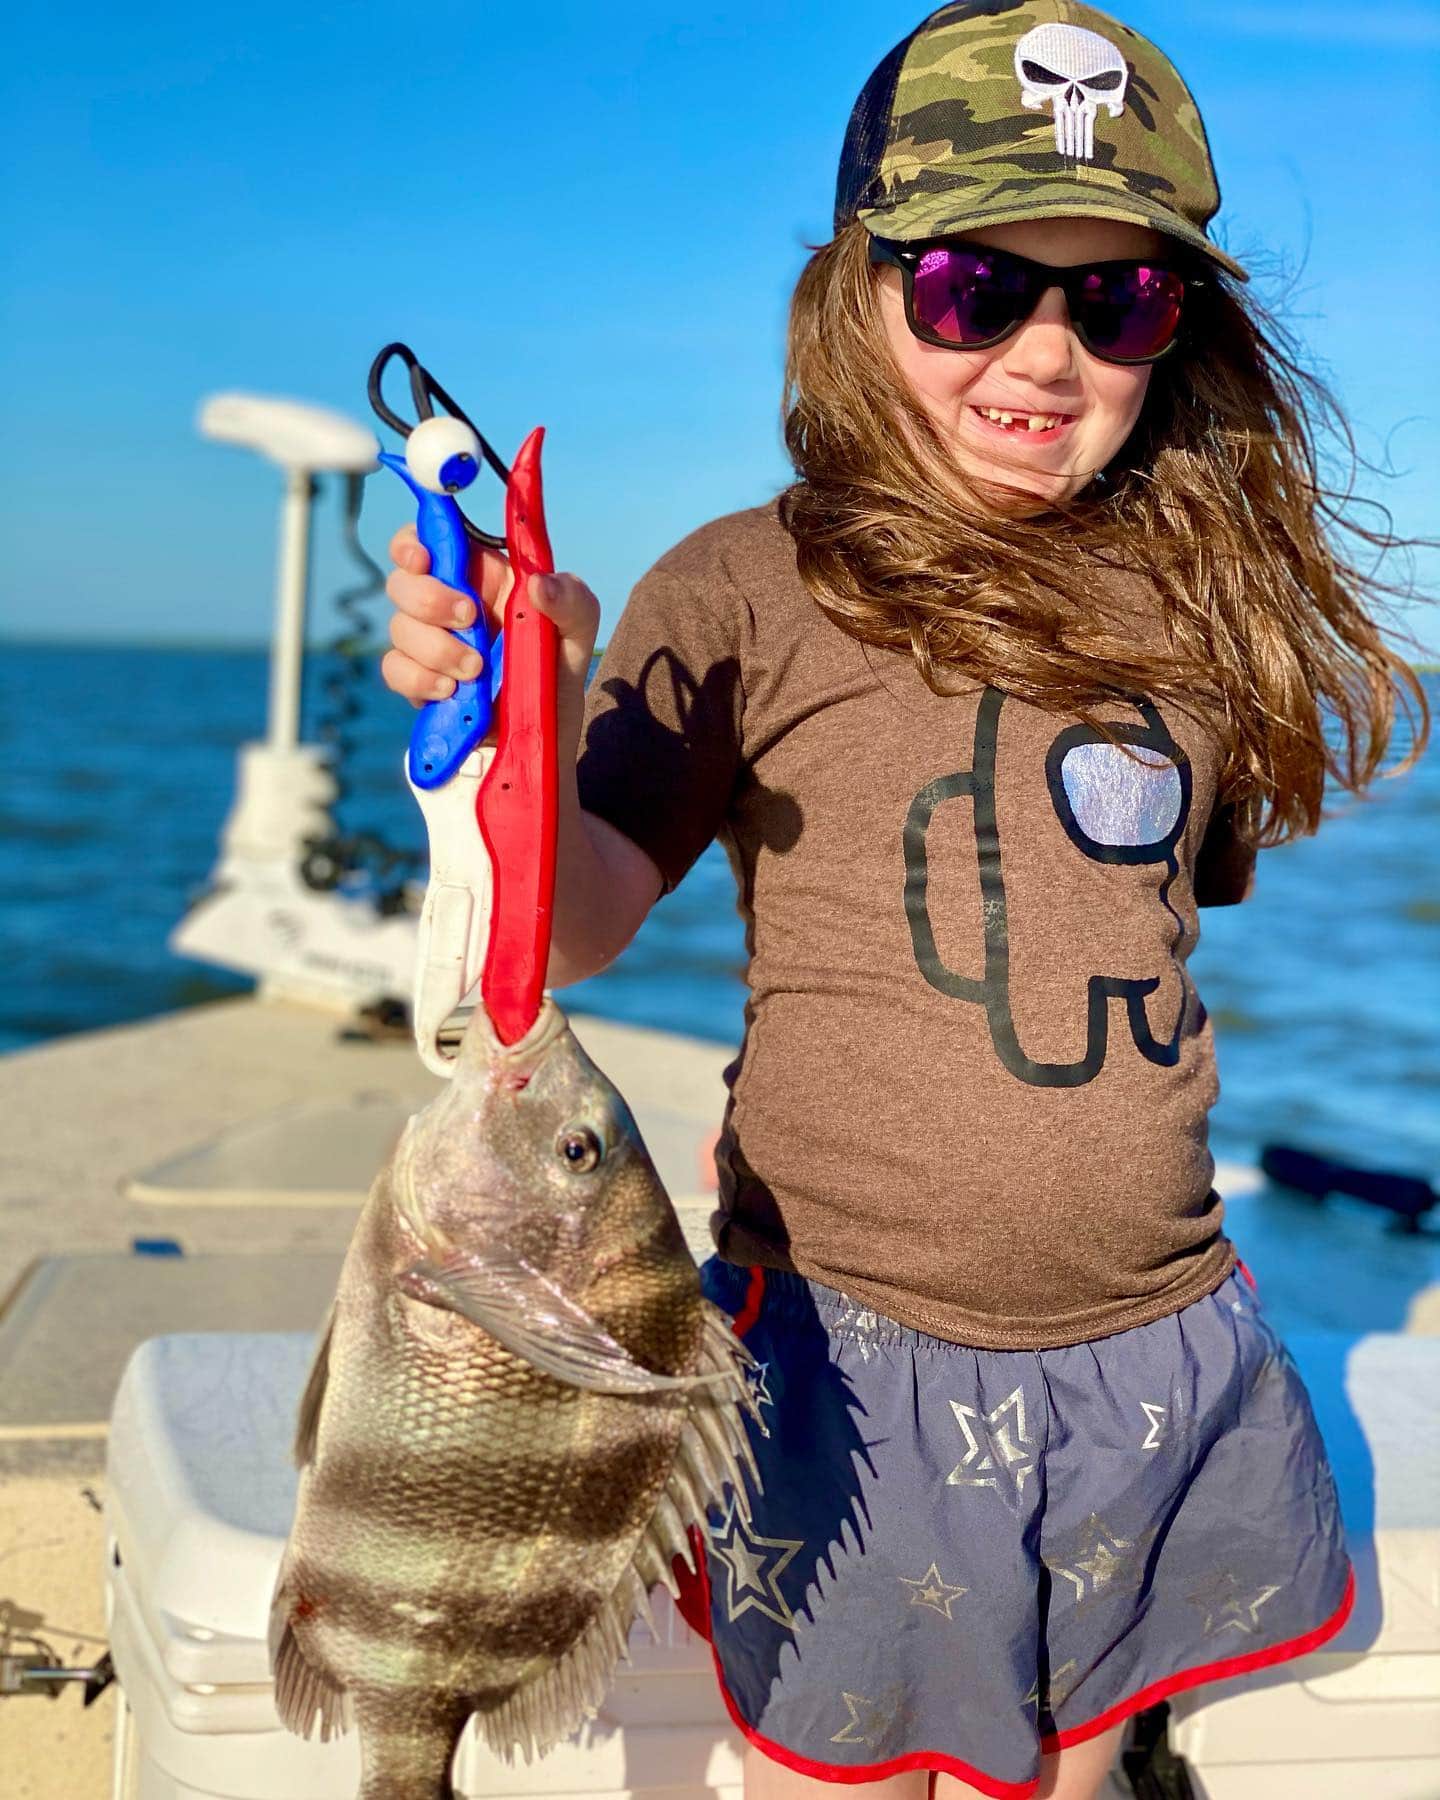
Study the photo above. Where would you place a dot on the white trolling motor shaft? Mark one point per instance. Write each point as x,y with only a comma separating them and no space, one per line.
304,441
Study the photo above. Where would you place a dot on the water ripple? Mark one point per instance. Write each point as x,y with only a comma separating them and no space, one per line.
1324,989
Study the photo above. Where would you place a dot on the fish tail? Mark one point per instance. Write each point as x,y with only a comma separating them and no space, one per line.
407,1743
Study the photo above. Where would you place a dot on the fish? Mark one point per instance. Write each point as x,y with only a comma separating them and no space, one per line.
520,1408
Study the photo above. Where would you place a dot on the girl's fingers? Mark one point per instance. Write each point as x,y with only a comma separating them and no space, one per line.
428,659
405,676
407,552
423,597
429,600
435,650
491,577
489,572
575,612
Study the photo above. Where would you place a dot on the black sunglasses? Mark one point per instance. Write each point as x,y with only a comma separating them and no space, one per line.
969,296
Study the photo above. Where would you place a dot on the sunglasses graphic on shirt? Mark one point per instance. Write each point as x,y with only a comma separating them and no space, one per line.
1116,806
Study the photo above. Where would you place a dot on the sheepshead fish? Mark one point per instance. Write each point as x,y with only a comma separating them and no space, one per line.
520,1404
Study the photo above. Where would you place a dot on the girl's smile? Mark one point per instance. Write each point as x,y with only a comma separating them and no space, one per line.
1035,411
1035,427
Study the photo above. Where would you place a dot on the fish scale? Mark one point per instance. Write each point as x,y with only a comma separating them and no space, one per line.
521,1405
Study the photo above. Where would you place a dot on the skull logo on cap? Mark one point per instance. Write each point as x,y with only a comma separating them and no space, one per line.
1075,72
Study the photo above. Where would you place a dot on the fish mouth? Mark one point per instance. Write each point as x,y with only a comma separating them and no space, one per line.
440,1151
513,1065
530,1050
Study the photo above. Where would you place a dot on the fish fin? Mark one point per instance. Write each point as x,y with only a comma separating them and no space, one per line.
307,1425
302,1692
534,1318
712,1455
727,1362
538,1715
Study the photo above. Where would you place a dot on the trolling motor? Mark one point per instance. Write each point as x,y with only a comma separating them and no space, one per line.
276,906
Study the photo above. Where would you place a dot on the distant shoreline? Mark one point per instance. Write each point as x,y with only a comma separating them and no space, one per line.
175,646
261,647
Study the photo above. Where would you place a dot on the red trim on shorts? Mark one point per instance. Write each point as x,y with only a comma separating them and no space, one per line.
1215,1671
696,1587
804,1765
754,1299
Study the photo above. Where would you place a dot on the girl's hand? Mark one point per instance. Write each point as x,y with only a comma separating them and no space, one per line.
427,661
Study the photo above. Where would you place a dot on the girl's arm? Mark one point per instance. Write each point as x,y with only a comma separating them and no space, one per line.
609,886
1225,866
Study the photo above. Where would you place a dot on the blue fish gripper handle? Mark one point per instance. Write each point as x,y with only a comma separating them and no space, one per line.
446,731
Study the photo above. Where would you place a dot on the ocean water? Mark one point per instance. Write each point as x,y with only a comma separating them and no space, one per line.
119,767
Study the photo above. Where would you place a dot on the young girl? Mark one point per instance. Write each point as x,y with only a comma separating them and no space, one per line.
1017,674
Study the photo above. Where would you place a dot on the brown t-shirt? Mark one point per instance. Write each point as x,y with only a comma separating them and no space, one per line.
975,1076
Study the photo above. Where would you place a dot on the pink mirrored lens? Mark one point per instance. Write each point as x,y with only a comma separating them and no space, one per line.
965,296
1130,312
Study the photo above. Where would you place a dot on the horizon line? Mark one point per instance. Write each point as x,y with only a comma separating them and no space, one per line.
259,646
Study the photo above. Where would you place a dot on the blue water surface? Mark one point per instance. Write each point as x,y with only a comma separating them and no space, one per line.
1324,988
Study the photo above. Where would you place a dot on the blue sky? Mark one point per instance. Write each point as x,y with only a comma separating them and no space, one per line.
581,215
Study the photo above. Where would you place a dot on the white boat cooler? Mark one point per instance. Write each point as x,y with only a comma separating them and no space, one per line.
199,1499
200,1492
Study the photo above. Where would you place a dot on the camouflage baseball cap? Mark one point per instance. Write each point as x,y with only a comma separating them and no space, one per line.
996,110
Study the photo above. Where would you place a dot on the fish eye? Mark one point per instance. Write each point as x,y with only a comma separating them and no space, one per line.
579,1148
443,454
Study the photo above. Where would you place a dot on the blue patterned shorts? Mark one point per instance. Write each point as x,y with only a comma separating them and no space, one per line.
962,1558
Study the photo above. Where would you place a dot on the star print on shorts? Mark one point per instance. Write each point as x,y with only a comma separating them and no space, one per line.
752,1572
932,1591
1100,1563
1230,1604
872,1721
1002,1440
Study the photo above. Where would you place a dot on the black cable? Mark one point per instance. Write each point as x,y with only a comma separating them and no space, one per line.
425,390
329,861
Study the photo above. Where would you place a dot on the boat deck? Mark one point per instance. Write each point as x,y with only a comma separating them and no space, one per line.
246,1134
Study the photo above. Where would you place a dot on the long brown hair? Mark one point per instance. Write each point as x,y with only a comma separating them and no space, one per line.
1217,497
